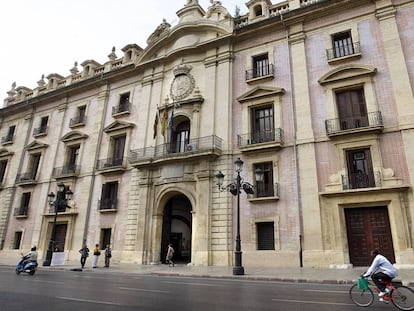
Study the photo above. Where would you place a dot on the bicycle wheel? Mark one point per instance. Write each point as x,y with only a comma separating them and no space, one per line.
361,297
403,297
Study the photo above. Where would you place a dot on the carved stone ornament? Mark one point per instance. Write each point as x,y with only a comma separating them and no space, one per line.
183,83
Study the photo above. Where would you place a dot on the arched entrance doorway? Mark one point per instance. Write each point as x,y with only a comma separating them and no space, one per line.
176,229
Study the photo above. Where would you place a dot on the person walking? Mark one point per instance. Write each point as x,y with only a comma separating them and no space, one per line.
96,254
84,251
108,255
380,269
170,254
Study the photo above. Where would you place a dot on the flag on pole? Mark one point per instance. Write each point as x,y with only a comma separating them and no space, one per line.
155,124
172,125
164,122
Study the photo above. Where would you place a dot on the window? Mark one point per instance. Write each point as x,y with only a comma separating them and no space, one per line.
123,104
105,237
42,129
265,188
24,204
80,118
352,111
261,66
180,137
34,162
3,166
262,124
258,10
17,239
71,160
109,196
118,148
265,236
360,171
342,44
9,137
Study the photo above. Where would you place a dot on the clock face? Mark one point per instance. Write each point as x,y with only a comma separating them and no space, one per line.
181,87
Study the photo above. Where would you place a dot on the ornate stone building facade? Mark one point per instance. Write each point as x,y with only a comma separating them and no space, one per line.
315,94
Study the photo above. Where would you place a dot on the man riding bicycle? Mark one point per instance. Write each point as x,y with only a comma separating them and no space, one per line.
381,269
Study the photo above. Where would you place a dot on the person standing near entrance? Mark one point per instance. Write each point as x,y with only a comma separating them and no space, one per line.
96,254
380,269
108,255
84,251
170,253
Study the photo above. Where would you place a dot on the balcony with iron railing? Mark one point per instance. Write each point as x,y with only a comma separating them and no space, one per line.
66,171
77,121
40,131
345,51
361,180
272,138
209,146
7,139
107,205
340,126
121,109
21,212
28,178
265,192
265,71
111,164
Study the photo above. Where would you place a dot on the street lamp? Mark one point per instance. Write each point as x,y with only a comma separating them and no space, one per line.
60,204
234,189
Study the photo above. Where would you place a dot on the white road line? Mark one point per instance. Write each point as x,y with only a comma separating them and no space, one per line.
314,302
91,301
326,291
196,284
144,290
42,281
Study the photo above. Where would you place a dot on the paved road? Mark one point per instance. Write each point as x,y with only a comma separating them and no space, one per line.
69,290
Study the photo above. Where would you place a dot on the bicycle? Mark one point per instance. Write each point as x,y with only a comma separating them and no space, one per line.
401,296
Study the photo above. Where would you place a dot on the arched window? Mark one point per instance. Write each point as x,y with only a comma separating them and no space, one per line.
258,10
181,136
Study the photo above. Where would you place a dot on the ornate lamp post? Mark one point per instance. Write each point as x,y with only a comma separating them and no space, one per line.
60,204
234,189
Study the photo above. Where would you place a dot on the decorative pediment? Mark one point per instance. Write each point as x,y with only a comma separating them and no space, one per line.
118,125
73,135
36,145
347,72
260,92
5,153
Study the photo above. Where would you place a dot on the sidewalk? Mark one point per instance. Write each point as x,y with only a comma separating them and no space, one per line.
299,275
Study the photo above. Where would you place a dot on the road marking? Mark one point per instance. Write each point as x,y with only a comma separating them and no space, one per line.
326,291
315,302
91,301
196,284
42,281
145,290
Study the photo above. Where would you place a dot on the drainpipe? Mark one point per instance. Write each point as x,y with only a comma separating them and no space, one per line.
98,145
295,154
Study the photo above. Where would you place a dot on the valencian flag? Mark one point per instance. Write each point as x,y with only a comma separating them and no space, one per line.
155,124
164,122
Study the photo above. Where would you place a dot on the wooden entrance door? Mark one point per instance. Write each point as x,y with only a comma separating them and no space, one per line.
60,237
368,228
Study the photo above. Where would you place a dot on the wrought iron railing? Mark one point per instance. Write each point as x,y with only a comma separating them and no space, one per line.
342,51
77,120
26,177
110,163
7,139
193,146
260,71
66,170
273,135
107,204
267,190
40,130
120,108
361,180
21,211
372,119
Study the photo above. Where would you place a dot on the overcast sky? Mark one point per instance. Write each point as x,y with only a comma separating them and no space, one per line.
48,36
